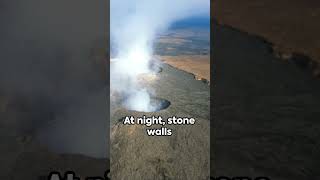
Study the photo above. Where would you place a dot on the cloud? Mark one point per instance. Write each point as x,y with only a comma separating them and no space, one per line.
134,27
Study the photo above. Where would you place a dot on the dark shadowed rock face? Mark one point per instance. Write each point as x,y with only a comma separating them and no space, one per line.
266,111
185,154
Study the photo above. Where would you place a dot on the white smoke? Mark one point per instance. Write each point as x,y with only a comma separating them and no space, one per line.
134,26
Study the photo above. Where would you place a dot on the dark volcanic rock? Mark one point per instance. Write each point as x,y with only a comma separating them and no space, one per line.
266,111
290,25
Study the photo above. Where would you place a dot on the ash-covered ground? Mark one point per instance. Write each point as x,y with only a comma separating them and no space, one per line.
186,46
185,154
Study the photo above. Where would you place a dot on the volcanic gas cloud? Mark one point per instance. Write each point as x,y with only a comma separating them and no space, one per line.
134,26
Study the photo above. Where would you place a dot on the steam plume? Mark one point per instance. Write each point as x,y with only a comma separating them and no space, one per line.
134,27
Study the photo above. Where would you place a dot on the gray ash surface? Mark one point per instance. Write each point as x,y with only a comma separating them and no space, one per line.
185,154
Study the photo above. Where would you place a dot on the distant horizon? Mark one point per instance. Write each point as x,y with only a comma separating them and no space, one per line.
195,21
